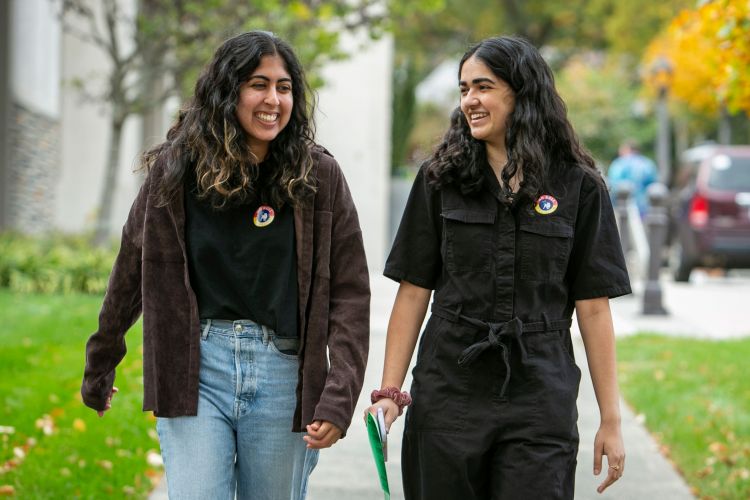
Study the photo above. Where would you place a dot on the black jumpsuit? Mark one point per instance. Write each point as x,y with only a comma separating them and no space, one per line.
495,385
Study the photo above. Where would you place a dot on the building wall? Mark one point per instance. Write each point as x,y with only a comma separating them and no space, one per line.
33,125
4,112
354,119
85,143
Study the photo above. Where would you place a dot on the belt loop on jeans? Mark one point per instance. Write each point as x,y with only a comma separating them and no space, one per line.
266,335
204,334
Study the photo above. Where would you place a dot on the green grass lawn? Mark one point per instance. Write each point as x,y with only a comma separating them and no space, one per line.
51,445
695,397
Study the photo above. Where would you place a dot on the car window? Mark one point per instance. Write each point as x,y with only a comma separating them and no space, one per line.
730,173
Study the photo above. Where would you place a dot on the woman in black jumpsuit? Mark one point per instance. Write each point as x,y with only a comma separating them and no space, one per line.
511,225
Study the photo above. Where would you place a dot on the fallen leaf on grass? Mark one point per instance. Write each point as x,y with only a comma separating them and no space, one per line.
112,441
154,459
154,477
46,424
105,464
706,471
79,425
717,448
7,490
741,474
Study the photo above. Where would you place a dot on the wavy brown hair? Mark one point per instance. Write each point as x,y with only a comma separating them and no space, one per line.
208,141
539,138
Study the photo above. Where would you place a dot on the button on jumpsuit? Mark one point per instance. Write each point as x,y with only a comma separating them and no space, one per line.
495,384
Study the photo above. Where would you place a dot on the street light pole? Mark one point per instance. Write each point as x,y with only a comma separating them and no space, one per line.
661,72
662,141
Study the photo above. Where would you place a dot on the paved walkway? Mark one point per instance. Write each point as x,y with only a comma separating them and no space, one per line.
707,307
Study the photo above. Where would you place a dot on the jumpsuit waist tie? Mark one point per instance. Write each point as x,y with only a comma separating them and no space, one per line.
511,330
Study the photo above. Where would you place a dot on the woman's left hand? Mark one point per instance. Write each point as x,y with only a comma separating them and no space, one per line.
322,434
608,442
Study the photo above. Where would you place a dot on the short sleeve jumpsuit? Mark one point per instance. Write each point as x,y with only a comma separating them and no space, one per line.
495,384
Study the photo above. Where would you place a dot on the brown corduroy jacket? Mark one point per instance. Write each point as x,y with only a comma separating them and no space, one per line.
150,276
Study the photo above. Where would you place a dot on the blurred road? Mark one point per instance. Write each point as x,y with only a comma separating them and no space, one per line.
709,306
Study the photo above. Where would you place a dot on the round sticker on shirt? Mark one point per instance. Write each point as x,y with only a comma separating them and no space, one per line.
263,216
545,205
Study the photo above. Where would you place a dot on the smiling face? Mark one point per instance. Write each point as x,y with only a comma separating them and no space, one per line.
265,103
486,101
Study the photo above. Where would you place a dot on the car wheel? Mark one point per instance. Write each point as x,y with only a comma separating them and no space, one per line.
680,263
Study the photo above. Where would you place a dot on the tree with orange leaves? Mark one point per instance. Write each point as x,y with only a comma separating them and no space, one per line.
708,51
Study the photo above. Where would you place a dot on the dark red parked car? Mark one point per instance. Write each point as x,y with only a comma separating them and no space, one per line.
710,213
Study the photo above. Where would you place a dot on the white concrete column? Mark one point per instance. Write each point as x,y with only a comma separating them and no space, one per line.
354,120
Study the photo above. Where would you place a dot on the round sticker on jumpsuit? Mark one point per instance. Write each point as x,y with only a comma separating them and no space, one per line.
545,205
263,216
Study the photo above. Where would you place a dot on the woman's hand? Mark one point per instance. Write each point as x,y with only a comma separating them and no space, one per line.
108,403
390,411
608,442
322,434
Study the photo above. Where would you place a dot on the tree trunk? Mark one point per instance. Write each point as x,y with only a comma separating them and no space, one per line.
725,127
405,81
104,217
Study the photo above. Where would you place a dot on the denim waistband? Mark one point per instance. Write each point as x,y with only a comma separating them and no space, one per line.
238,327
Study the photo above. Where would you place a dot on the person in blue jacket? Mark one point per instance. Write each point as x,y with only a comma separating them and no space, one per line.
634,168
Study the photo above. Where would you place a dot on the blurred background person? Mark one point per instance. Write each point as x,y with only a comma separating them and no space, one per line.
635,169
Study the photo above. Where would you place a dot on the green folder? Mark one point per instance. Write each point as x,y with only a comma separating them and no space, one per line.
376,435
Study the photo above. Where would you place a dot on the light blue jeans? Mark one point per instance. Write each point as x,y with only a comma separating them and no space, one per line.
241,440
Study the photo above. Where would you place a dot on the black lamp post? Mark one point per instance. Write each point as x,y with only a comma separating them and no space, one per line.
661,73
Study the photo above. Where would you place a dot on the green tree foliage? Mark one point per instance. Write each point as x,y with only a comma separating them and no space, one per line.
604,105
563,29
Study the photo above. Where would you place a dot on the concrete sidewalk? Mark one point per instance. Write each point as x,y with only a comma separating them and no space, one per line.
707,307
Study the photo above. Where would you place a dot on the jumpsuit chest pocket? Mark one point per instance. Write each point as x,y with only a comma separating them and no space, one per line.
468,239
545,248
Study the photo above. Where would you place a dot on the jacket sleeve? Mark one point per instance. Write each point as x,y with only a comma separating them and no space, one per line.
120,309
349,310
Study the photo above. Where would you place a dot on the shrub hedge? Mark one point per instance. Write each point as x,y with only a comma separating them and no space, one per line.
54,263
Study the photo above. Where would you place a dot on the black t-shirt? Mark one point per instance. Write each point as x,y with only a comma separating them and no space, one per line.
499,261
242,261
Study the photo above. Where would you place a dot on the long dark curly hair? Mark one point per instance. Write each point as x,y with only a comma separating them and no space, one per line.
208,140
539,138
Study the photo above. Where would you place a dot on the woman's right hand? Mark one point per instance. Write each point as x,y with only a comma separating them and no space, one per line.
390,411
108,403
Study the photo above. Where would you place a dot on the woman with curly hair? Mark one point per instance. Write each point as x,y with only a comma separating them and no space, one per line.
510,224
243,252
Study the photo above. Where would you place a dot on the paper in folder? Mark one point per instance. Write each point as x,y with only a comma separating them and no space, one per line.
379,443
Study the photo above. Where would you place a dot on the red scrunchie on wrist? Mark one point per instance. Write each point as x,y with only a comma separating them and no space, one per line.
402,399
